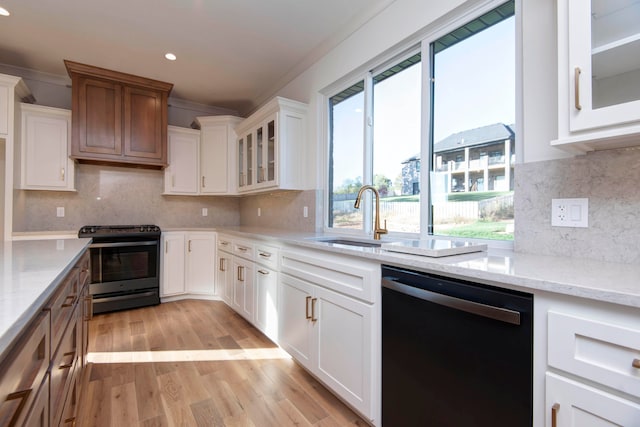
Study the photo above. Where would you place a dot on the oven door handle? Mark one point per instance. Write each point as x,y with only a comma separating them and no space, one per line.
122,244
496,313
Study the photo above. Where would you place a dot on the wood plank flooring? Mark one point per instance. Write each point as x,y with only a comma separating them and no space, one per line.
197,363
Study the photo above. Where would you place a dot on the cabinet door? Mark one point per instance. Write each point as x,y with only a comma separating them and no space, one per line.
243,298
224,282
173,270
99,122
38,416
45,138
266,307
4,110
604,62
144,126
294,319
181,176
343,330
201,265
266,152
214,165
573,404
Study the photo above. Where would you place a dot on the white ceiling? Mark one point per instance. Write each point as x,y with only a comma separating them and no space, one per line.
231,53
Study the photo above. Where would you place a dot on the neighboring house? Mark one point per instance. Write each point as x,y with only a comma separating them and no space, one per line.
478,159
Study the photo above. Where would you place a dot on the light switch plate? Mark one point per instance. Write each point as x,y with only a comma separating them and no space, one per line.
570,213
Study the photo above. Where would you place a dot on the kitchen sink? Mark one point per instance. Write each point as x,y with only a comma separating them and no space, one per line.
350,242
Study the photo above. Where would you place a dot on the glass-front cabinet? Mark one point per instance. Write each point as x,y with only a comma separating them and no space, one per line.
271,147
599,73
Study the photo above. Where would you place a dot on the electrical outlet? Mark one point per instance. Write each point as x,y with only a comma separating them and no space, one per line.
60,211
570,212
305,212
205,211
259,211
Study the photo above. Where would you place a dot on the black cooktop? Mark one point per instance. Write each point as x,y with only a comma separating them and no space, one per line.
118,230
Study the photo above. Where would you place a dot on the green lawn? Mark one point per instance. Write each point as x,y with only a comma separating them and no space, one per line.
479,230
473,196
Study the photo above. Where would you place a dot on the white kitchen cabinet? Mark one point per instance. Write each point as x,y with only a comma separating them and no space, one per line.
200,262
172,261
44,149
331,333
573,404
243,290
217,154
188,264
224,274
270,147
599,74
266,289
181,176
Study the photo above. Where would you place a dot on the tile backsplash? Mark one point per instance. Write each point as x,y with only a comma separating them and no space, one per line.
282,209
609,179
119,195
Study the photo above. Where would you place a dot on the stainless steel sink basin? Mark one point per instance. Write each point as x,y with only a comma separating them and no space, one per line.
349,242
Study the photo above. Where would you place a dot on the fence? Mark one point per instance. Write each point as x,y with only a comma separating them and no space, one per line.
468,210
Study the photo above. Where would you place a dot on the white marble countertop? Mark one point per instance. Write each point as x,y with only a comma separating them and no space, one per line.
602,281
30,271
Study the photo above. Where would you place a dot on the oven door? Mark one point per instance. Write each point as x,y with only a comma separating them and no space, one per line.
124,266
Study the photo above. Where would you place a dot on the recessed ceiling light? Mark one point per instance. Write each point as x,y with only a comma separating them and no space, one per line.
170,56
4,12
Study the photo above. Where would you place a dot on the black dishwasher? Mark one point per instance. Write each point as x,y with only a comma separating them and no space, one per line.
454,353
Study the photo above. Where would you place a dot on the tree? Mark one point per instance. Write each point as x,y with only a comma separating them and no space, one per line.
382,183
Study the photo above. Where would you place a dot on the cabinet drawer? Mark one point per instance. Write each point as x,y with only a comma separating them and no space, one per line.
225,244
63,364
243,249
23,371
605,353
573,404
267,255
61,306
84,265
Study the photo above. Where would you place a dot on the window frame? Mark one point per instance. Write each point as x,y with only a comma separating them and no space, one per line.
419,42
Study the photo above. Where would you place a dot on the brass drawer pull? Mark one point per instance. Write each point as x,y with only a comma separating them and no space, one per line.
242,249
265,254
576,78
73,300
221,266
240,273
306,309
23,395
313,309
263,272
554,414
636,363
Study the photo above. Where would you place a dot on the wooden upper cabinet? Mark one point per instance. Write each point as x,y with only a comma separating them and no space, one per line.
118,117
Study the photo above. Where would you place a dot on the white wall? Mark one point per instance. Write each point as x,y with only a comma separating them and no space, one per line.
400,22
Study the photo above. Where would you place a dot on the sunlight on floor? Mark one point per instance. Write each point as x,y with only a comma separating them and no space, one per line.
187,355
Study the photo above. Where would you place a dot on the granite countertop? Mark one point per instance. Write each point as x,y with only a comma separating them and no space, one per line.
31,270
602,281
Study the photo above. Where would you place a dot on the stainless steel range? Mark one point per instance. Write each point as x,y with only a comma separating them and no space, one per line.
125,266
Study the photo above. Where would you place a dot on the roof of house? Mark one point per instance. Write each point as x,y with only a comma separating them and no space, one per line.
477,136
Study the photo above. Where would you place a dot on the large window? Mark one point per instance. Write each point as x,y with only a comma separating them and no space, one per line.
446,169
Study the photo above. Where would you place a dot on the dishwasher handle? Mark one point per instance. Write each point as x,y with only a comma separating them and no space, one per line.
496,313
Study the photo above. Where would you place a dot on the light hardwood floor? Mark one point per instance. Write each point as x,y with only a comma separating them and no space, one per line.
205,366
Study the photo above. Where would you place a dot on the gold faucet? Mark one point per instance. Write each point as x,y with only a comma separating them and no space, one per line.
377,231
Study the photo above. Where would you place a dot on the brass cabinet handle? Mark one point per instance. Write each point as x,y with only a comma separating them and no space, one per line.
166,247
576,81
313,309
89,313
23,395
221,266
224,243
173,180
265,254
264,272
189,245
203,184
242,249
71,421
69,365
62,174
636,363
554,414
240,273
73,300
306,309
